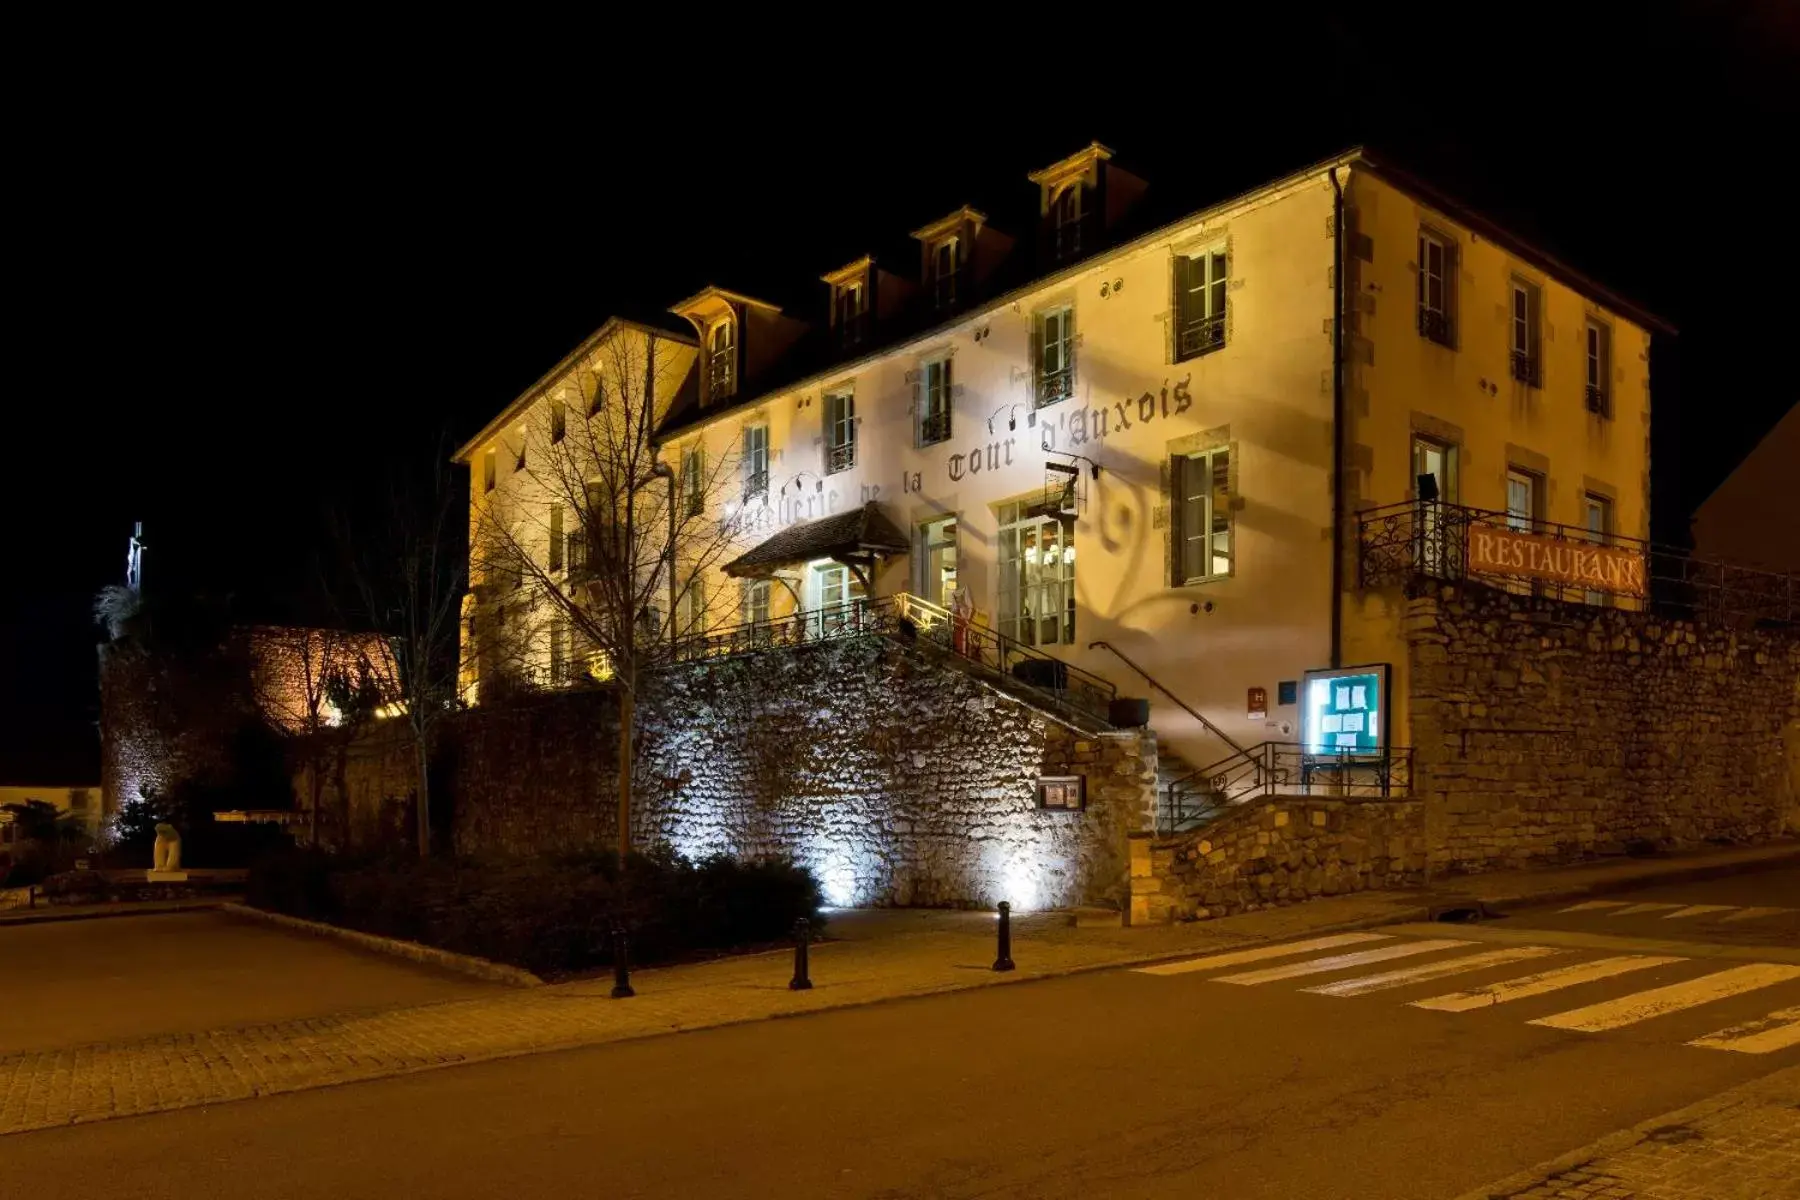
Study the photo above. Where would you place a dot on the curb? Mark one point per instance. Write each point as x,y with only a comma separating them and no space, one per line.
47,916
1625,1139
462,964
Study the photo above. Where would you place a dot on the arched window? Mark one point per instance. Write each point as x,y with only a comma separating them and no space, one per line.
721,360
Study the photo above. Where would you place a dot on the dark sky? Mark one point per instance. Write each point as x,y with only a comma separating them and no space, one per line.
249,283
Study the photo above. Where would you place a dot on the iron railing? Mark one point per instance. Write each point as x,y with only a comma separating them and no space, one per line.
756,485
1430,539
1054,386
840,457
1284,769
934,426
909,619
1435,326
1525,369
1200,336
1596,401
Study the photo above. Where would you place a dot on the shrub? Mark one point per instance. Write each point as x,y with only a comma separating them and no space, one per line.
551,916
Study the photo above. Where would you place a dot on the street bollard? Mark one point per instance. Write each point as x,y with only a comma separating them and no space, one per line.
1004,962
621,965
802,935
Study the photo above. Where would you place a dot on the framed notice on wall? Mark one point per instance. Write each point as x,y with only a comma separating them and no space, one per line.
1345,711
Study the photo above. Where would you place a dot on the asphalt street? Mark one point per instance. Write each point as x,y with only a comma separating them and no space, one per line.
1220,1079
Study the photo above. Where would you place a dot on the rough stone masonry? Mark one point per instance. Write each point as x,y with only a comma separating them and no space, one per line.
898,780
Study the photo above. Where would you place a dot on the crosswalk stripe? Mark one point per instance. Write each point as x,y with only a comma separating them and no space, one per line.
1339,962
1641,1006
1542,982
1777,1031
1235,957
1589,905
1632,910
1694,910
1750,914
1436,970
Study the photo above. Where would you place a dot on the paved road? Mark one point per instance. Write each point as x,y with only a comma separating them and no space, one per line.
1227,1078
71,983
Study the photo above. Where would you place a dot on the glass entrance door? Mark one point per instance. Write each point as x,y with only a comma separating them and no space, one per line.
937,562
1434,543
835,592
1037,577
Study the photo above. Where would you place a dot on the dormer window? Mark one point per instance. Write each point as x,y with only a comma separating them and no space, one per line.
1065,223
850,310
946,263
721,360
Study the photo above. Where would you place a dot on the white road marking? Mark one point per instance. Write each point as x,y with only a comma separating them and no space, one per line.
1339,962
1632,910
1641,1006
1589,905
1750,914
1694,910
1777,1031
1436,970
1543,981
1234,957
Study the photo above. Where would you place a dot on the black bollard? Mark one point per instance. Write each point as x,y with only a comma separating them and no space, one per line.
621,965
802,935
1004,962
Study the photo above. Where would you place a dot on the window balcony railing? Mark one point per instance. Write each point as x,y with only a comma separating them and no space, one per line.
1596,401
1200,335
756,485
1053,386
840,457
1525,369
721,382
1434,326
934,427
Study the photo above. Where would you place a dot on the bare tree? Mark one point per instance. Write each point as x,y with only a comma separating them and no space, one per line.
609,544
294,672
403,574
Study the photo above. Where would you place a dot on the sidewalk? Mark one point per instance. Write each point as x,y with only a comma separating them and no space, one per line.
46,912
872,956
1743,1144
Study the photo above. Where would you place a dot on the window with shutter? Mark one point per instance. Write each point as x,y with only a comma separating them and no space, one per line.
1202,530
933,401
556,537
1200,293
1054,352
1436,290
840,431
1599,359
756,462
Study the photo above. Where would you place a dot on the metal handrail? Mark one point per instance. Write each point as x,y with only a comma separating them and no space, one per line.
1182,704
1269,767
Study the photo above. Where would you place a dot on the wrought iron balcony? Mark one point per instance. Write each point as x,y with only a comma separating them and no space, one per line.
1435,326
1200,335
756,485
1525,369
1596,401
1055,385
934,427
840,457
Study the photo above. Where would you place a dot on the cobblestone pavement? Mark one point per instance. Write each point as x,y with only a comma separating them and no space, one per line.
1743,1144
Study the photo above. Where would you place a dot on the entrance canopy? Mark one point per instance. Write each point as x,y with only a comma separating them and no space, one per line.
854,538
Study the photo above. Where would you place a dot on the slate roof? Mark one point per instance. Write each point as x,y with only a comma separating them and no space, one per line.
865,530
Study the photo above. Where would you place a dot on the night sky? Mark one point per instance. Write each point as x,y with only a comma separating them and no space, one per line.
250,283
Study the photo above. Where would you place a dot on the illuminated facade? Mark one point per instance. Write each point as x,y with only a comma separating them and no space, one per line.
1110,435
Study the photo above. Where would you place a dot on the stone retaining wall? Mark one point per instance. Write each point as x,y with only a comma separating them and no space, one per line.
1274,852
1547,732
899,781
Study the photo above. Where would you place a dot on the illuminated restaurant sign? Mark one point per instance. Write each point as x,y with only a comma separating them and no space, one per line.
1497,550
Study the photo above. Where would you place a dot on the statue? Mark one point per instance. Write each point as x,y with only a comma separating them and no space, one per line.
168,848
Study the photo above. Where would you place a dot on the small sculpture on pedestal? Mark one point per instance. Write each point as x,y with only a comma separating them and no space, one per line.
166,859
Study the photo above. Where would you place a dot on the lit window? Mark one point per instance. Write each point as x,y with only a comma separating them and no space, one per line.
849,307
1597,515
1065,223
1200,281
721,360
1065,792
1522,490
1599,364
1524,328
1037,576
690,609
756,462
489,469
1202,524
933,401
519,458
559,420
1435,288
755,602
1055,339
840,431
556,537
